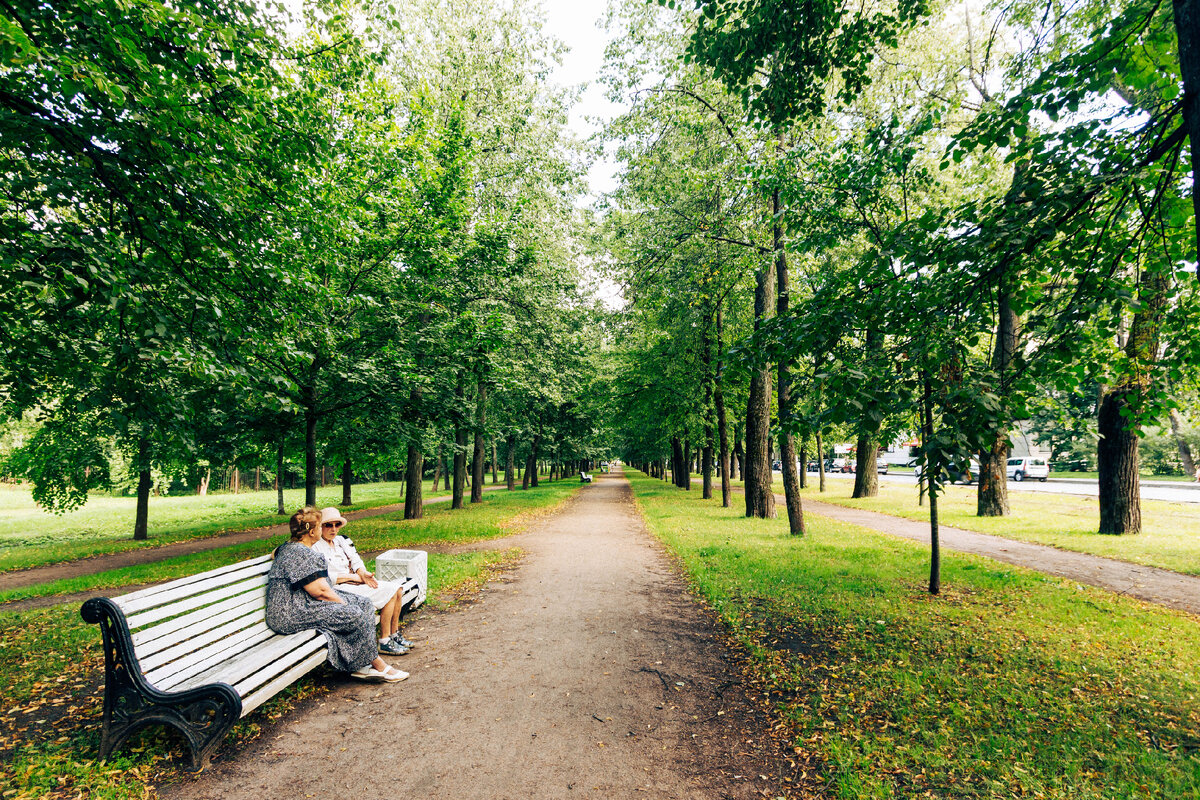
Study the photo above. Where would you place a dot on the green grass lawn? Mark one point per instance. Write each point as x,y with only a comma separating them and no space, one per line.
31,537
1170,537
440,525
1009,684
50,659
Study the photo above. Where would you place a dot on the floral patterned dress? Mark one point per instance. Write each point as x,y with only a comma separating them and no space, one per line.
349,628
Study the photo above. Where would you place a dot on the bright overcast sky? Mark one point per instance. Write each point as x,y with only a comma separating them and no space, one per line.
575,22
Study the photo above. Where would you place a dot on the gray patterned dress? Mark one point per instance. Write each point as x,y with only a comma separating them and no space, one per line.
349,628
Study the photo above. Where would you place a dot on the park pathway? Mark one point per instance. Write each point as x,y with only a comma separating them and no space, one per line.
1154,585
20,578
587,671
1163,587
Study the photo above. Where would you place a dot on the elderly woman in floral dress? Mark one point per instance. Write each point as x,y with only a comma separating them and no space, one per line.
299,598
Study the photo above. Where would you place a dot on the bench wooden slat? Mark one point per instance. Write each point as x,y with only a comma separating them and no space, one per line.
203,635
256,668
171,675
253,701
143,640
150,591
190,589
196,601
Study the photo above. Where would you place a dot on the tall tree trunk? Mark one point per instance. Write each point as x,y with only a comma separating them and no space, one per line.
932,467
706,463
803,468
706,456
258,479
310,457
1117,461
414,507
739,458
531,465
1185,451
787,442
992,492
495,465
141,522
866,476
460,467
756,469
347,483
480,451
677,462
722,427
414,468
685,475
510,479
460,446
1117,450
237,481
438,468
279,507
1187,32
820,463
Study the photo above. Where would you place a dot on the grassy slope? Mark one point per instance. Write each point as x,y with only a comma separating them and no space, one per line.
50,659
1170,538
1011,684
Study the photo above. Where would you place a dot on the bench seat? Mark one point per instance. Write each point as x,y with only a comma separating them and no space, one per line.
196,653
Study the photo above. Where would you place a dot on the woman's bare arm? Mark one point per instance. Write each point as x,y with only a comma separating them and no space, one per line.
321,590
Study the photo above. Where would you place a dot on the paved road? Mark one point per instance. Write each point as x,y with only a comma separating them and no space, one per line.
1151,490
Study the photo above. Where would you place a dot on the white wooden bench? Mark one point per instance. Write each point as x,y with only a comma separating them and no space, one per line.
196,654
585,478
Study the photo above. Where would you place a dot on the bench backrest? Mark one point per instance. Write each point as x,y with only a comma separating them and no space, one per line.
188,631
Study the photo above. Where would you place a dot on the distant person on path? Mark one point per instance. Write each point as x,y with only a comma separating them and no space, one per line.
299,598
347,572
1197,476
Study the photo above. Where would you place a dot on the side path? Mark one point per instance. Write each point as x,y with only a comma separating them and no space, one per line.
1154,585
585,672
20,578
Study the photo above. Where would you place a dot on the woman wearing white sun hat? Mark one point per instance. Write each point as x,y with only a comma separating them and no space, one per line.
348,572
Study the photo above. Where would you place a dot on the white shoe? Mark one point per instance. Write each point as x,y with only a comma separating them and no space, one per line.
394,675
369,674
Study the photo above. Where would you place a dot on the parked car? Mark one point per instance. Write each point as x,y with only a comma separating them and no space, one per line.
847,465
881,466
956,471
814,466
1021,468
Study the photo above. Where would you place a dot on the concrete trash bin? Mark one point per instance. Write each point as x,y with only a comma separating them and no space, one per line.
394,565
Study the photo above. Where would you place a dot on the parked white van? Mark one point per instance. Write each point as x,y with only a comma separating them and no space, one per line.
1021,468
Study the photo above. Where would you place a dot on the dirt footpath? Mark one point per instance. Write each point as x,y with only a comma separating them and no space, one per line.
585,672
